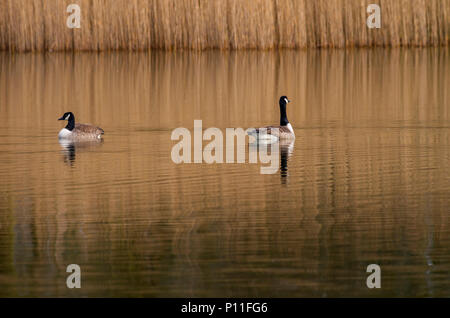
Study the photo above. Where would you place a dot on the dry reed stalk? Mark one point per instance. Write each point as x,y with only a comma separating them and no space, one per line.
40,25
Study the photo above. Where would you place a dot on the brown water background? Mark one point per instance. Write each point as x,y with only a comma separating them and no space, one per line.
366,181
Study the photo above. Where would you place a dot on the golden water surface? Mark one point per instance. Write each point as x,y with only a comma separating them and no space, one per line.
367,180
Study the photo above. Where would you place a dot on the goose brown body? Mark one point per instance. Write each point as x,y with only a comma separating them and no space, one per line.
281,132
77,132
88,130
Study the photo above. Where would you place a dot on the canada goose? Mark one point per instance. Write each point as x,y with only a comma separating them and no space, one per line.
78,132
274,133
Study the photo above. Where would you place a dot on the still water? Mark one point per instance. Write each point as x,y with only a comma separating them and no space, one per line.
367,180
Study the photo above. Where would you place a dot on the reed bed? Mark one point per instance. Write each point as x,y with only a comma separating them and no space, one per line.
40,25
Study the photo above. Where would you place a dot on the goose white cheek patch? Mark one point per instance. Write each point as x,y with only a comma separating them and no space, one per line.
67,117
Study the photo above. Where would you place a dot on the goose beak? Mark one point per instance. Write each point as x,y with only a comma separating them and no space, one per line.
62,118
289,100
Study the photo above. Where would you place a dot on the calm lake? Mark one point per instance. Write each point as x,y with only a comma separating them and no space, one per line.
367,180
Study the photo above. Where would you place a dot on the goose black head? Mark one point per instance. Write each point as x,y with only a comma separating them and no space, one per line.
67,116
284,100
70,118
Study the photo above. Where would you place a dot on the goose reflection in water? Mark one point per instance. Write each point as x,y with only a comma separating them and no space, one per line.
70,148
286,149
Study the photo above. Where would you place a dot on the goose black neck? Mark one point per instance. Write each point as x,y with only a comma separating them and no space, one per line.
283,117
71,123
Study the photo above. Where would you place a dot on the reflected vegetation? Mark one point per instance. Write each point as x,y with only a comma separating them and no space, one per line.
367,179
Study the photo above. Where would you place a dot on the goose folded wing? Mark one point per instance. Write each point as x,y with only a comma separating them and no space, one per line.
273,130
89,129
